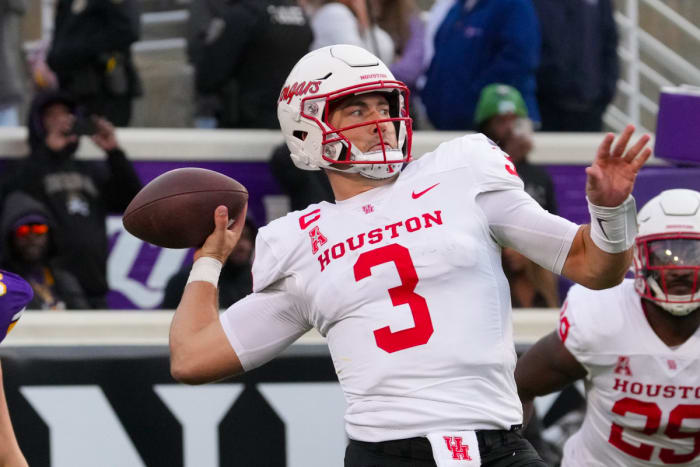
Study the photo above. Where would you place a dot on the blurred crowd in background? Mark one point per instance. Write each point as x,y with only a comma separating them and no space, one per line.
502,67
505,68
560,56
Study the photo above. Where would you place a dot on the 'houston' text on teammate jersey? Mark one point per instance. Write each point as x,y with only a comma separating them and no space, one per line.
643,398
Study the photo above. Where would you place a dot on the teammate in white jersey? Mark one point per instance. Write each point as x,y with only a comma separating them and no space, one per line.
638,347
402,274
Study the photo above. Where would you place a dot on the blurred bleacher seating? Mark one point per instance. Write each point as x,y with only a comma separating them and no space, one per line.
663,50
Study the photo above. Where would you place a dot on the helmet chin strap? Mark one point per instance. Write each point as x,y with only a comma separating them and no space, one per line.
372,171
676,309
382,171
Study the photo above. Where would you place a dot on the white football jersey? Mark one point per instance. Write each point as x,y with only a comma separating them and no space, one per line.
643,398
405,282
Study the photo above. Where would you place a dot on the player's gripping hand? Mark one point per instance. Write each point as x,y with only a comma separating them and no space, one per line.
610,179
224,238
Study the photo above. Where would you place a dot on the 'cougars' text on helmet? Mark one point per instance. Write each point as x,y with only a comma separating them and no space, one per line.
324,77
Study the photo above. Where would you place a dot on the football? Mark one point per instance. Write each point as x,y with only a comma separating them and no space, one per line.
176,209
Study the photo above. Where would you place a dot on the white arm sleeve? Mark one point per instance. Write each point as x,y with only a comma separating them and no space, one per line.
263,324
518,222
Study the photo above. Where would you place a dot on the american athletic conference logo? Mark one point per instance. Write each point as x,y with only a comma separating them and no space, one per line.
459,450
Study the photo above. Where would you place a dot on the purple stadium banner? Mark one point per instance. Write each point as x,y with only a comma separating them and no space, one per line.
677,135
138,272
570,185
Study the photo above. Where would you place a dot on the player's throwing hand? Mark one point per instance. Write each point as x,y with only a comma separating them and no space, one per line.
223,239
611,176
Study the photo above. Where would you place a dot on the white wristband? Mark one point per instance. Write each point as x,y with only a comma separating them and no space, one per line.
613,229
206,269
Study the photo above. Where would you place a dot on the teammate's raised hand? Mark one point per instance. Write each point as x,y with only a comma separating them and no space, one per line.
224,238
610,178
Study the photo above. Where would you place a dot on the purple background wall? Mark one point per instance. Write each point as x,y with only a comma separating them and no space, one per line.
255,176
570,185
677,124
138,271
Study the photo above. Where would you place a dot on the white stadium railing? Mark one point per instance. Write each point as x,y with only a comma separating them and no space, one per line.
134,328
638,49
139,328
191,145
150,328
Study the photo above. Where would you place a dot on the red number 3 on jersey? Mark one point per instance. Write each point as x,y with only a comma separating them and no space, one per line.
420,333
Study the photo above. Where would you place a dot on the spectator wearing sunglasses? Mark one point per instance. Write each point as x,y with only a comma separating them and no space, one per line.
79,194
29,249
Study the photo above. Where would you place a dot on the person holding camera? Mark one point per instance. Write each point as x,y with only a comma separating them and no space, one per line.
78,193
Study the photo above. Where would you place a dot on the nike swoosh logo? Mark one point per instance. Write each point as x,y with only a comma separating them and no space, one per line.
600,223
415,195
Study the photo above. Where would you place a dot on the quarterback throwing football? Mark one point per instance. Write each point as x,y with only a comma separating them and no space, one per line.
638,347
402,274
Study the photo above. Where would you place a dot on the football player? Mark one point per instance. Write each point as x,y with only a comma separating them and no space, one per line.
402,274
15,293
638,347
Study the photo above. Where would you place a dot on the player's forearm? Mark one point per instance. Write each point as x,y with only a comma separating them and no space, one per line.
534,381
592,267
198,308
595,268
605,246
545,368
605,269
10,454
534,384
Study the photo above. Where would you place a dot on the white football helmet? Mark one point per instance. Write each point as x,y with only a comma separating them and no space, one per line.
326,75
667,251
